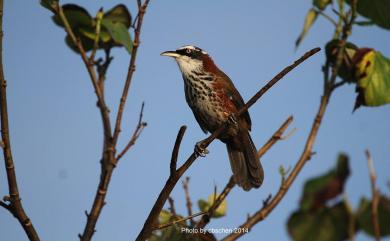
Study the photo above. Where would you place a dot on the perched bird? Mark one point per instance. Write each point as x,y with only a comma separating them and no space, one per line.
213,99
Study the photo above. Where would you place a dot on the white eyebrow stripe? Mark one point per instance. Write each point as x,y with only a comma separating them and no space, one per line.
192,47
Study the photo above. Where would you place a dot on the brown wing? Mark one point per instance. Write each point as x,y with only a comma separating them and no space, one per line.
235,98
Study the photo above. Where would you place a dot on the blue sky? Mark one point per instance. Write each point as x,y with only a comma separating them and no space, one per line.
56,128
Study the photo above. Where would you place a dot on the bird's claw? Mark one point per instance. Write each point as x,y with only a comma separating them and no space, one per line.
200,150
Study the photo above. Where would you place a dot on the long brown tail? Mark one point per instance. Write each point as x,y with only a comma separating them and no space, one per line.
247,170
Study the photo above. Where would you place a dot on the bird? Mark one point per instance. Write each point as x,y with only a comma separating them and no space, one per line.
214,99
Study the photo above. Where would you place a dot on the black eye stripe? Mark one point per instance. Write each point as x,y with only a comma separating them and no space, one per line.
193,53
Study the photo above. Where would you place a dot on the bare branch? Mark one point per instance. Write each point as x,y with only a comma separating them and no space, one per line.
137,132
172,206
173,178
329,18
175,151
137,32
15,204
99,17
375,197
104,111
276,137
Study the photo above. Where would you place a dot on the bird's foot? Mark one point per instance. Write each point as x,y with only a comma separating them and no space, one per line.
200,150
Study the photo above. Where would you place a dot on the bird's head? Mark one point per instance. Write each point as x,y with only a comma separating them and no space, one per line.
191,58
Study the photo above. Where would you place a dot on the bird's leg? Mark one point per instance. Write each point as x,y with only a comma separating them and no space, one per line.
200,150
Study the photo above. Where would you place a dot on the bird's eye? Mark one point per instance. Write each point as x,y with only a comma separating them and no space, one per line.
188,51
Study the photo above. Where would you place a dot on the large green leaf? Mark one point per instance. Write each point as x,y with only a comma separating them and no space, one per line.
325,224
317,191
310,18
372,72
119,33
376,10
365,220
77,17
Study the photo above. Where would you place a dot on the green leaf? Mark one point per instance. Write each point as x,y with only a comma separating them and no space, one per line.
204,206
326,224
164,217
119,33
311,16
365,220
77,17
321,4
113,30
317,191
50,4
373,79
376,10
119,13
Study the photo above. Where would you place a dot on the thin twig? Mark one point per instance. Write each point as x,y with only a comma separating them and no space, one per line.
15,204
101,102
175,176
172,208
137,132
331,20
99,17
131,69
275,137
375,197
188,198
221,197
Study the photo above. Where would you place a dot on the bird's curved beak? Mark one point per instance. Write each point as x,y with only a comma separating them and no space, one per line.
170,54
